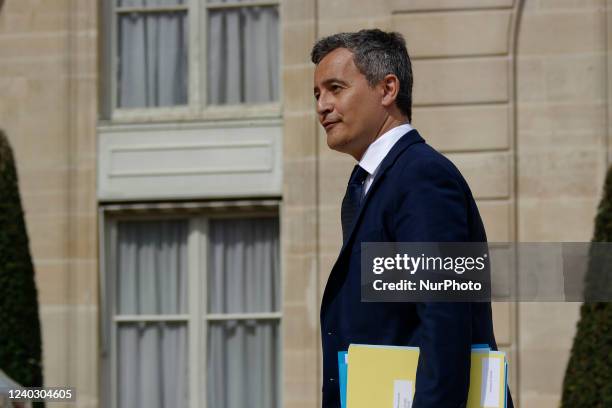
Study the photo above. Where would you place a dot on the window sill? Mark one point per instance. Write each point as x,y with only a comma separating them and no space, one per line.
187,114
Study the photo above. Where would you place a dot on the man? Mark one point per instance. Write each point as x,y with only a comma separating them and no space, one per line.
402,190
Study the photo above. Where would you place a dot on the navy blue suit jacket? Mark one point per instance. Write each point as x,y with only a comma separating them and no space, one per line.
417,196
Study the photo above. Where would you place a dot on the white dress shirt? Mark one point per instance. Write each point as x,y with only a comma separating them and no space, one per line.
378,150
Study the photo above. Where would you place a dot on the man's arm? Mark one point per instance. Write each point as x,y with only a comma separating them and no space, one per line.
432,207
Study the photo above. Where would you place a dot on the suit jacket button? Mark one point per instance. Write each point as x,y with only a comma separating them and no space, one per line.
331,380
329,333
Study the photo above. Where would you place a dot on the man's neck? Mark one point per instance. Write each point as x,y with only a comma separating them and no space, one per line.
389,123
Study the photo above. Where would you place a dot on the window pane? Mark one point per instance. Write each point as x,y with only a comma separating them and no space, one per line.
243,364
152,365
228,1
243,55
149,3
152,267
153,59
243,270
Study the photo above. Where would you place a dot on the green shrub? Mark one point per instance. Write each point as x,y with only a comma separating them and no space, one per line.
588,378
20,347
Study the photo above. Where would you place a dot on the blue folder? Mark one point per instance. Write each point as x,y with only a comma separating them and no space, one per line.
342,370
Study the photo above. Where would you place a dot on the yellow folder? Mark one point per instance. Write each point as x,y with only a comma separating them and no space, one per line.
385,376
488,379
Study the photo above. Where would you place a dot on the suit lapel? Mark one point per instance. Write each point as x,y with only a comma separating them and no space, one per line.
402,144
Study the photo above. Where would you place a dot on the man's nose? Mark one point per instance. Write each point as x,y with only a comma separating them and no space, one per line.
324,105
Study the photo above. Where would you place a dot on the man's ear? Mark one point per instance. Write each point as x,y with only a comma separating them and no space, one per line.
390,88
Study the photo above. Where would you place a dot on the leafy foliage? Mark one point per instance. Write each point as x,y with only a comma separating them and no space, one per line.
588,378
20,342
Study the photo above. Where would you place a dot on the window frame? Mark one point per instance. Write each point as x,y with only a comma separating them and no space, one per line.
197,317
197,107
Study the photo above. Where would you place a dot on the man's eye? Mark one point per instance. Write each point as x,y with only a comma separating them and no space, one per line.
335,88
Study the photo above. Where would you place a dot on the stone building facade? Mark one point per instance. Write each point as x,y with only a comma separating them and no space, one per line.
515,92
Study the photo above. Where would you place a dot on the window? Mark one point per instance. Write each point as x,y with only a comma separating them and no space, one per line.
152,53
193,310
193,53
243,57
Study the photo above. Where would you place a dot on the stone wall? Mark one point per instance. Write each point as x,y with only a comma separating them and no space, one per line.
48,74
299,221
561,140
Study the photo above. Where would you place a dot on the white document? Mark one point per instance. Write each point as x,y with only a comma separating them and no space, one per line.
491,381
402,394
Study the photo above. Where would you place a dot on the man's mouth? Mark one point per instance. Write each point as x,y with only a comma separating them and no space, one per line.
329,125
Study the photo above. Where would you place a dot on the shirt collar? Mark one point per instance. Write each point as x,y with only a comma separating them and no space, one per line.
379,149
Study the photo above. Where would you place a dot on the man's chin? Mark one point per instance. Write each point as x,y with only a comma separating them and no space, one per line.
339,147
342,145
335,141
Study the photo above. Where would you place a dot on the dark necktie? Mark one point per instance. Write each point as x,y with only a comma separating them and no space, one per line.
352,200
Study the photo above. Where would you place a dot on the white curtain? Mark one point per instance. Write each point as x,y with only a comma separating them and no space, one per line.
153,57
244,277
243,55
152,279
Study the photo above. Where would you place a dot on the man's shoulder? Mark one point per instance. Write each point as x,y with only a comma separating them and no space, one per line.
422,160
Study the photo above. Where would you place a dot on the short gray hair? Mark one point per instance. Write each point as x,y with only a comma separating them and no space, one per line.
376,53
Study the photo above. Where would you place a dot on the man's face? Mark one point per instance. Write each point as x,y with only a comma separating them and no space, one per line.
349,109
